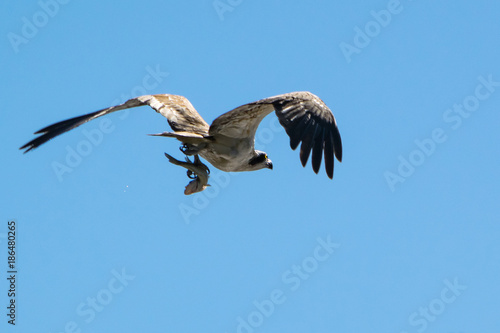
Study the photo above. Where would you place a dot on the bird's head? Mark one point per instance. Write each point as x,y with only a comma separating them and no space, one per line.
260,161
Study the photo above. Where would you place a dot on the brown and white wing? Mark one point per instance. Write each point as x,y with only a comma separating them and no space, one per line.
242,122
181,116
305,117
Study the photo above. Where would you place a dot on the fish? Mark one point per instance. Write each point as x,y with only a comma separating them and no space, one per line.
197,171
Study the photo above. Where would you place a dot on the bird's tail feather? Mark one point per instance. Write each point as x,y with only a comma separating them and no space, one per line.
185,137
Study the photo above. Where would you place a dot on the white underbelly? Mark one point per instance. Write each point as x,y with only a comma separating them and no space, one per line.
229,158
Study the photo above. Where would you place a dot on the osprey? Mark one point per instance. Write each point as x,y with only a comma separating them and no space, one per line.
228,144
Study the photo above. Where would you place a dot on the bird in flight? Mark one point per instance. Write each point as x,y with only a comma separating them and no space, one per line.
228,144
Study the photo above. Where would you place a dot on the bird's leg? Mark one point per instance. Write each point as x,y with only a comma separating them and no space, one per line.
197,171
188,149
194,168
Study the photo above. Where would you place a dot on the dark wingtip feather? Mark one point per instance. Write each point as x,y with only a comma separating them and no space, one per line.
317,152
25,146
307,142
296,131
51,131
305,150
337,144
329,153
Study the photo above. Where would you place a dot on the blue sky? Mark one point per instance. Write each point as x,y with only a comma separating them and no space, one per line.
404,239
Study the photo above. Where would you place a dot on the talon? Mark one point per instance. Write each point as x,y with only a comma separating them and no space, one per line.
188,149
197,171
184,148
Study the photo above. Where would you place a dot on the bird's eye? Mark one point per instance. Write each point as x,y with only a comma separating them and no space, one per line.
265,155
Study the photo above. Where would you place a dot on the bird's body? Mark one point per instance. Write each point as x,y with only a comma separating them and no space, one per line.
228,143
230,157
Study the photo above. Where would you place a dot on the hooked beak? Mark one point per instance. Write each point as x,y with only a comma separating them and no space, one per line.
269,164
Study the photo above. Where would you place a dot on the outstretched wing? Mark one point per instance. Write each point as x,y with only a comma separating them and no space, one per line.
305,117
181,116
